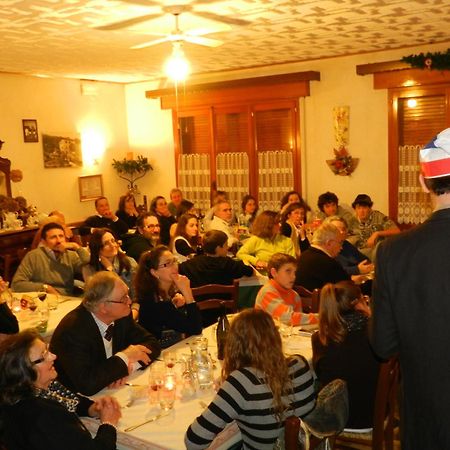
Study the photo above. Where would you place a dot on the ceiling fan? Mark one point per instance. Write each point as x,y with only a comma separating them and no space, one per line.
192,36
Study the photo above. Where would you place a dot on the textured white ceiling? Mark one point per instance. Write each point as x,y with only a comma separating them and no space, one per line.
57,37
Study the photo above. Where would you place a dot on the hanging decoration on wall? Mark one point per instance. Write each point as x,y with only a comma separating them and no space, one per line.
431,61
343,163
131,170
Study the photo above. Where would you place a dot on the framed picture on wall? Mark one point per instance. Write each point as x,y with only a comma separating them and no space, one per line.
91,187
30,130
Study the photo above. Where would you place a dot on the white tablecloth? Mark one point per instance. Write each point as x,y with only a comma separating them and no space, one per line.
168,432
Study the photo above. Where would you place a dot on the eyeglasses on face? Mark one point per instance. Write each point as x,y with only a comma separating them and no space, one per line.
169,263
124,300
45,356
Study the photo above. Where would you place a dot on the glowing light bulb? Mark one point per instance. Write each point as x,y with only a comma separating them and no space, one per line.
412,103
177,66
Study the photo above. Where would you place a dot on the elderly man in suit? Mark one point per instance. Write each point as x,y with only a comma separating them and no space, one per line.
411,308
98,344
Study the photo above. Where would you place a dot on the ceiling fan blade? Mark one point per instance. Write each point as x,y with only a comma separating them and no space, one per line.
151,43
127,22
224,19
208,42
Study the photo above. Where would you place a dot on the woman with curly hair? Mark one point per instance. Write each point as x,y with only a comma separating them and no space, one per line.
293,221
187,239
265,241
167,306
107,255
341,349
249,208
37,412
260,386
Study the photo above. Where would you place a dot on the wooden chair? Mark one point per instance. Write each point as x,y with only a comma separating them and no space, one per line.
211,296
310,300
11,262
384,420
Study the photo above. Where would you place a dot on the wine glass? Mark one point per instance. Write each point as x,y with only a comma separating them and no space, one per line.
170,358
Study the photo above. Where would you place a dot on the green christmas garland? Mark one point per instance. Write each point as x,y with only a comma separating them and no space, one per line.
436,61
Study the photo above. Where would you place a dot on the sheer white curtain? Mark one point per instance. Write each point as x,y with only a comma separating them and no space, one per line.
275,177
194,179
414,205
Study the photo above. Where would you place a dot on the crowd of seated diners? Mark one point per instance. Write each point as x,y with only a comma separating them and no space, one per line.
135,273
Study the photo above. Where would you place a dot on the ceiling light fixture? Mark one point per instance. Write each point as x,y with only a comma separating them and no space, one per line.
177,67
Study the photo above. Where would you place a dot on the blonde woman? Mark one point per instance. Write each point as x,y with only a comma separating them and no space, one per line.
260,386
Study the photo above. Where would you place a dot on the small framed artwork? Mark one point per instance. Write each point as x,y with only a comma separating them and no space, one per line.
30,130
91,187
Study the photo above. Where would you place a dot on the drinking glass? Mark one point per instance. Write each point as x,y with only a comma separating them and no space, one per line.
285,330
42,320
167,393
155,381
170,358
52,301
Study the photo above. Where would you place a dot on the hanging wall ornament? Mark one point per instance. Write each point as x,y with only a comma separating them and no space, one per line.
343,163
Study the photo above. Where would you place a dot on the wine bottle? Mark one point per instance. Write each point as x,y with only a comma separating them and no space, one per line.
222,330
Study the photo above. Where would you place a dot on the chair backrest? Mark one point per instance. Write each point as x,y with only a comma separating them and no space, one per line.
310,300
211,296
385,403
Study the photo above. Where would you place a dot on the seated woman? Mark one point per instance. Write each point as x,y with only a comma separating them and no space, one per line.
107,255
293,197
186,241
277,297
158,206
265,241
341,349
260,386
38,413
293,226
185,207
249,208
167,307
128,210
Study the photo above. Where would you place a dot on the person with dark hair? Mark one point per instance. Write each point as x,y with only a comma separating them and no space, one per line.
104,218
187,240
37,412
52,267
328,205
277,296
293,226
214,266
145,238
368,227
98,343
411,307
107,255
249,210
158,206
341,349
127,211
266,241
167,307
293,197
260,386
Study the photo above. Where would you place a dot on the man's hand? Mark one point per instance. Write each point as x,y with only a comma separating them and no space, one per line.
365,267
63,246
110,215
51,290
137,353
372,240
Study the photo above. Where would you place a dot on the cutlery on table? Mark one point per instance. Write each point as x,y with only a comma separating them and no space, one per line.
152,419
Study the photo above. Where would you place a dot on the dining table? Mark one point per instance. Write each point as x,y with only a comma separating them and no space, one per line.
167,432
57,305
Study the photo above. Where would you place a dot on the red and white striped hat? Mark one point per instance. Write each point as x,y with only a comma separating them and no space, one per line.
435,156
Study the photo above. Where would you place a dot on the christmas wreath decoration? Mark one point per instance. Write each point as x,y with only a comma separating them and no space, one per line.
436,61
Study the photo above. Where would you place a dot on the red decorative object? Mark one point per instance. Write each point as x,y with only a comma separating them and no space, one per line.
343,164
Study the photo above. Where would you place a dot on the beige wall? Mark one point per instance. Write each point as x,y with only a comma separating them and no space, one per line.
129,122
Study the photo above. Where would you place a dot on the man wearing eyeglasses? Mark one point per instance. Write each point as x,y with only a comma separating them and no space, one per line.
223,216
98,343
147,236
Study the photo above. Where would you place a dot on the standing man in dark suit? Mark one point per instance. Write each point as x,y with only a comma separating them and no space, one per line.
98,343
411,308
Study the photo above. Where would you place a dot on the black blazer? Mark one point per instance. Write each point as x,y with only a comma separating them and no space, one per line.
82,365
315,269
43,424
